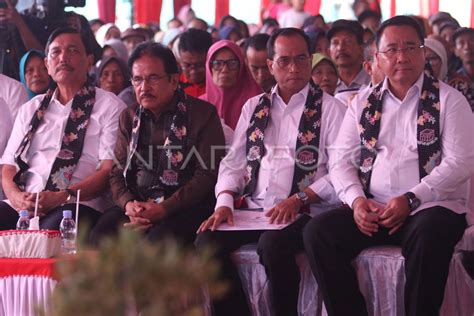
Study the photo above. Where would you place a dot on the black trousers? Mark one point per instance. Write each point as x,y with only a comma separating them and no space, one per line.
181,226
276,249
87,217
332,240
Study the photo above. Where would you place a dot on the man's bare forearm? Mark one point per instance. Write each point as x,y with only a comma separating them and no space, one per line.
95,184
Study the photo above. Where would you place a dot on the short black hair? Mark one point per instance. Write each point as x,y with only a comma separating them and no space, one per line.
195,41
288,31
69,30
309,21
200,21
225,18
461,31
368,14
96,21
270,22
158,51
400,20
257,42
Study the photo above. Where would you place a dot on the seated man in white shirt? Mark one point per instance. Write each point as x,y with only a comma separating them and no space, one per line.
403,159
5,130
278,162
14,94
62,141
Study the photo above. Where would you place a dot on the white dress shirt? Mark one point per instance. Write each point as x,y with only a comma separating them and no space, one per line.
396,168
99,140
5,130
14,94
275,176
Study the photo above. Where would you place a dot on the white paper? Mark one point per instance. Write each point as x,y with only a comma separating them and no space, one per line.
251,220
34,223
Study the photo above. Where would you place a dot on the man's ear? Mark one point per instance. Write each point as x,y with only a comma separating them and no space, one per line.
367,67
90,60
47,65
174,79
270,66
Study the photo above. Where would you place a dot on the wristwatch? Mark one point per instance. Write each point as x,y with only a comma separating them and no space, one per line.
413,201
302,197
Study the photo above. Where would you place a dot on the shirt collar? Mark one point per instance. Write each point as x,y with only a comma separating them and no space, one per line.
415,88
360,80
303,93
55,98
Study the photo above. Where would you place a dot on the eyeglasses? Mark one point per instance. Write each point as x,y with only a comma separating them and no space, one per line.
433,60
218,64
152,80
299,61
186,66
410,50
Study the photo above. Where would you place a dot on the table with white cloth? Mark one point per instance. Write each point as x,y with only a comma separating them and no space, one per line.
26,285
381,275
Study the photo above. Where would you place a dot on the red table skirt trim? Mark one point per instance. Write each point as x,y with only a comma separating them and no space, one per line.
28,267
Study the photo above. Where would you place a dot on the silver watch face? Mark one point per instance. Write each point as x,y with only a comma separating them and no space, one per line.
302,196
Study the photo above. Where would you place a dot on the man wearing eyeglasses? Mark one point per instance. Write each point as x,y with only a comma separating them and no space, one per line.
193,47
404,157
62,141
346,49
278,163
167,153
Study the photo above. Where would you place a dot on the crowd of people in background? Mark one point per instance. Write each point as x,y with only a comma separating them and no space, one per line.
88,106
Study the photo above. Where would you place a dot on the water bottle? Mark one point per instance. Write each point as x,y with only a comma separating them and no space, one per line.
68,233
24,220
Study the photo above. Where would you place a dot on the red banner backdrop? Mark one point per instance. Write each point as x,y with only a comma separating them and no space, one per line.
106,10
147,10
393,8
472,13
178,4
222,9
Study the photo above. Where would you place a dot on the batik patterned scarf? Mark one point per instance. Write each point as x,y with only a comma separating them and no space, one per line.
428,130
72,141
172,155
307,142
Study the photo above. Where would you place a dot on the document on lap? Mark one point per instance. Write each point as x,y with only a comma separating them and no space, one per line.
251,219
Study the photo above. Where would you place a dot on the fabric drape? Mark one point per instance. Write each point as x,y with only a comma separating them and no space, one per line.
147,10
106,10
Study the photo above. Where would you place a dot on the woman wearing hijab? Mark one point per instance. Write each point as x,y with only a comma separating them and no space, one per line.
229,83
437,57
106,32
115,47
33,73
324,73
113,75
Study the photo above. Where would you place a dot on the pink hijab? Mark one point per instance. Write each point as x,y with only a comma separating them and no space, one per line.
229,102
